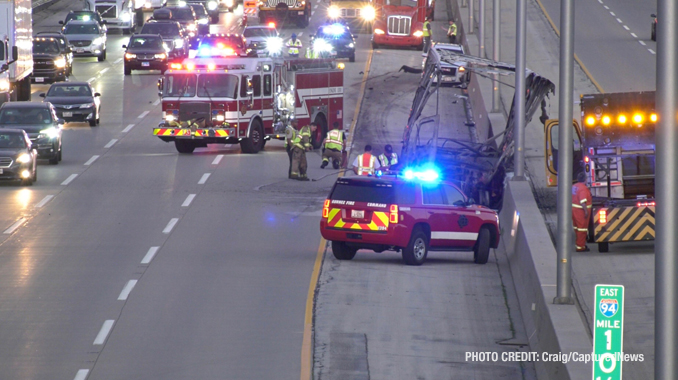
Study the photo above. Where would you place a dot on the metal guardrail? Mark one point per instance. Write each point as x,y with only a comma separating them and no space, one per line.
37,5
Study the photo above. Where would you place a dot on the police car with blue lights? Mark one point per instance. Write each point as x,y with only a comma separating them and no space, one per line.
335,41
413,212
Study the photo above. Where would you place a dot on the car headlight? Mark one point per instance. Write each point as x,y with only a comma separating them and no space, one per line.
87,105
178,43
351,45
148,5
229,3
333,12
191,27
321,45
368,13
24,158
98,41
378,31
212,5
50,133
274,45
160,56
418,33
4,84
130,55
125,17
203,21
60,62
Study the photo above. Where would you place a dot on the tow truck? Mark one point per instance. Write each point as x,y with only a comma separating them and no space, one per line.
614,143
400,23
221,98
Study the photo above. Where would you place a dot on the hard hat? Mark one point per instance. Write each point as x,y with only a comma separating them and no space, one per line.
294,35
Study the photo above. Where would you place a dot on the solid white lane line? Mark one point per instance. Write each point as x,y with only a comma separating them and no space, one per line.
90,80
126,290
44,201
188,200
203,179
149,256
14,226
156,102
619,20
81,375
91,160
651,51
69,179
626,27
118,60
103,71
173,222
217,159
642,43
128,128
634,35
103,333
110,143
143,115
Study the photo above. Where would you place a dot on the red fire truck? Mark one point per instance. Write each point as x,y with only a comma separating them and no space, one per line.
229,100
400,23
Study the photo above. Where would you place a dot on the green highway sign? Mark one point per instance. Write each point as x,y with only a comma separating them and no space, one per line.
608,332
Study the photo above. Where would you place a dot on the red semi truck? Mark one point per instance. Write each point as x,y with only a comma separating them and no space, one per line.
400,23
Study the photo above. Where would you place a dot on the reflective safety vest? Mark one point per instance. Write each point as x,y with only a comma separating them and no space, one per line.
386,162
334,140
305,137
452,30
427,29
293,46
366,162
290,135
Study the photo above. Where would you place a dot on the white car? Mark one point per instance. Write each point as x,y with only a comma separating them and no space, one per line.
456,74
263,39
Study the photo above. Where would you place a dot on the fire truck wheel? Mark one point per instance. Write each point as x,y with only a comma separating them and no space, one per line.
375,45
343,252
320,134
185,147
603,247
417,249
482,249
254,143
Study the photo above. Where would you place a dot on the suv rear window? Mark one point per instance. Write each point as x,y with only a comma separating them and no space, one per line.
363,191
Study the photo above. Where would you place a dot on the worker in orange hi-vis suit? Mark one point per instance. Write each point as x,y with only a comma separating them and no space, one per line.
581,210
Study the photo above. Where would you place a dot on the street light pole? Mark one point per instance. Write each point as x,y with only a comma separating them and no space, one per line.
519,115
495,54
481,28
470,17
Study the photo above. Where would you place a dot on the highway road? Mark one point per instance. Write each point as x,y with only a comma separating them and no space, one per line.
130,261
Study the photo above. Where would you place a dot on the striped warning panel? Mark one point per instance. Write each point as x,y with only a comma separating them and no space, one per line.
250,11
623,224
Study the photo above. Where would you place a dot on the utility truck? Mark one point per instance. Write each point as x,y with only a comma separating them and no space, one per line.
16,50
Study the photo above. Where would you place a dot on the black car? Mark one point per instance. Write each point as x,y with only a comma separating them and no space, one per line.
184,15
50,61
212,7
84,15
202,18
145,52
340,37
75,101
172,33
40,122
18,159
63,43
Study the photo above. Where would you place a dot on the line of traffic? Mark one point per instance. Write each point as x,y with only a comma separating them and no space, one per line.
627,28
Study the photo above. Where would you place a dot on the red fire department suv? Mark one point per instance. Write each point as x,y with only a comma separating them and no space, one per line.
411,213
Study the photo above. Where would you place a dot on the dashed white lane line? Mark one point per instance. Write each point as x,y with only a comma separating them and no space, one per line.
600,1
634,35
613,15
103,71
149,255
127,290
156,102
103,333
217,159
203,179
301,33
91,160
128,128
642,42
143,115
188,200
69,179
606,7
626,27
81,375
44,201
14,226
90,80
118,60
651,51
110,143
620,21
312,13
316,6
173,222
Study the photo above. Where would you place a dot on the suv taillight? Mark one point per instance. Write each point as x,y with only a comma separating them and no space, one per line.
393,218
326,208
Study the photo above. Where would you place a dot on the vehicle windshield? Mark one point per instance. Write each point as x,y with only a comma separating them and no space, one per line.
2,51
179,85
82,17
364,191
146,43
218,85
183,14
11,140
81,29
68,90
19,116
199,10
402,3
259,32
45,47
163,29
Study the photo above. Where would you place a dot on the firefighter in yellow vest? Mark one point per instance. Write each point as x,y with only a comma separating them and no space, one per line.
366,163
335,144
388,158
300,145
290,134
427,36
293,46
452,32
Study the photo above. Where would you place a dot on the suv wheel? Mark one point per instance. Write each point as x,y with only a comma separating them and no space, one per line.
54,160
417,249
343,252
102,57
482,249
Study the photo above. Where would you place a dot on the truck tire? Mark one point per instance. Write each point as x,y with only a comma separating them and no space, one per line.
23,90
184,147
318,138
255,141
417,249
603,247
343,252
481,252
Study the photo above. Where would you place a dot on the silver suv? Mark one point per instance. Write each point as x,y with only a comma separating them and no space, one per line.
87,38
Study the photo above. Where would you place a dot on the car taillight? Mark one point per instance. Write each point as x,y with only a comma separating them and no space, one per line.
602,217
394,214
326,208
